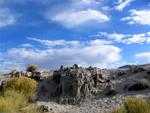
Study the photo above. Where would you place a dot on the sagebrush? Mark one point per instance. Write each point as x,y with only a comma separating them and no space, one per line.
23,85
16,94
134,105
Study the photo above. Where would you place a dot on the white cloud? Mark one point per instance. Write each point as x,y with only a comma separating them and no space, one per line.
122,4
137,39
6,18
115,36
7,66
86,2
148,40
75,18
99,42
51,43
27,45
143,57
138,17
141,38
94,52
148,33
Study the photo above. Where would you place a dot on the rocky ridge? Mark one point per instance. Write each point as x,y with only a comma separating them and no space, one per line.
92,90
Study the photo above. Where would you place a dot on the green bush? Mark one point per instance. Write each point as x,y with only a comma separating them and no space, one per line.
23,85
134,105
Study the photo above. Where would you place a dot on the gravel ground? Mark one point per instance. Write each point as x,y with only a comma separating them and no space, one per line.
102,105
99,105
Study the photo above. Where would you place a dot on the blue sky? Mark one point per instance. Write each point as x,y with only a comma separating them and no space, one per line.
102,33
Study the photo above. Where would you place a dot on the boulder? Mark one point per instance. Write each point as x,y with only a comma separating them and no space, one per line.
2,86
37,76
45,108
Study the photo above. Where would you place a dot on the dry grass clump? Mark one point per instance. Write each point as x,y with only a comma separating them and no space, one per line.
31,108
12,101
23,85
16,94
134,105
120,110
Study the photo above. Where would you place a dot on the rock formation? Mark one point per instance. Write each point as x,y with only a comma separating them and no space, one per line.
71,83
34,75
2,85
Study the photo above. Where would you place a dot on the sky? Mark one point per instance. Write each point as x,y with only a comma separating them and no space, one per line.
50,33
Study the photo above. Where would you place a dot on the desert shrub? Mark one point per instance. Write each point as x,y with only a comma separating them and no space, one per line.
140,85
137,105
11,102
15,98
120,110
32,68
136,69
23,85
134,105
14,102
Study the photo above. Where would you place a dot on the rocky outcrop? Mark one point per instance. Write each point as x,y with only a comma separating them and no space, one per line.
71,83
2,85
34,75
102,90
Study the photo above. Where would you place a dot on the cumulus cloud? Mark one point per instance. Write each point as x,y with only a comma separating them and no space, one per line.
122,4
75,13
136,38
6,17
94,52
138,17
69,13
114,36
75,18
143,57
126,38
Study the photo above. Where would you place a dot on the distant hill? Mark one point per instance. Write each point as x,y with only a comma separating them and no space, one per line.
126,66
129,66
